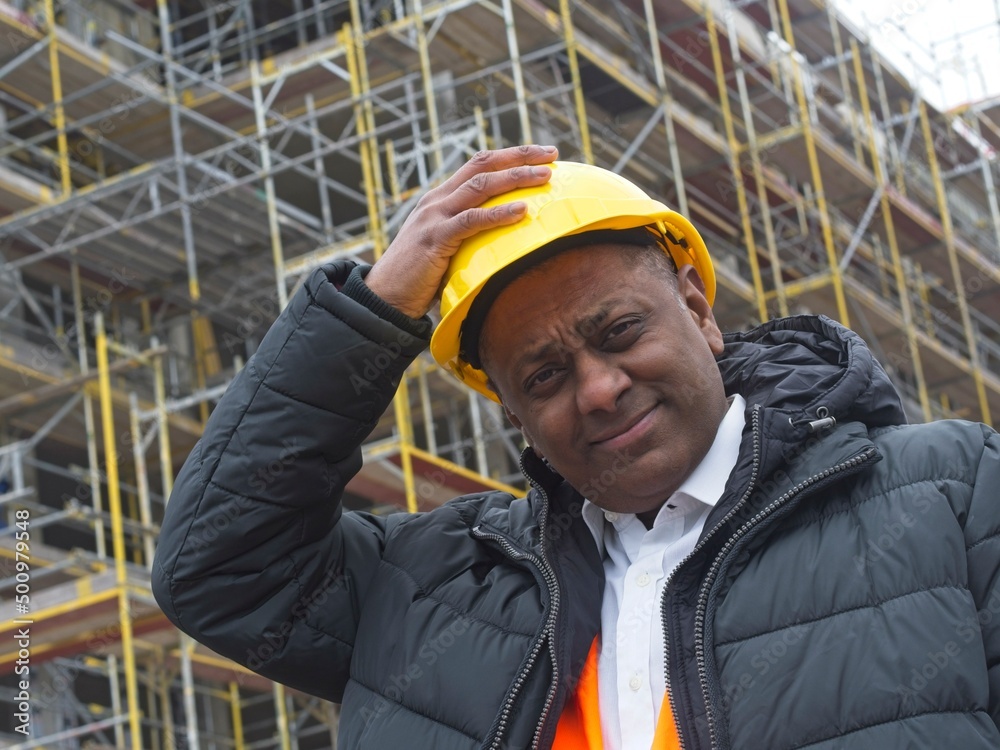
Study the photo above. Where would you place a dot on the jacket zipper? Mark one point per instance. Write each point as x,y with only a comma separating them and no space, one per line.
755,431
701,611
705,586
495,742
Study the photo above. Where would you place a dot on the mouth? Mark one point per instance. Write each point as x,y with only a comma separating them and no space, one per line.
620,435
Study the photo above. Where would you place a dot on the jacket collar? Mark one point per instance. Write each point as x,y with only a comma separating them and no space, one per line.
805,368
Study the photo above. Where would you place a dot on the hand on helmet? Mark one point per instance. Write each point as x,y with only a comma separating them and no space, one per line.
408,274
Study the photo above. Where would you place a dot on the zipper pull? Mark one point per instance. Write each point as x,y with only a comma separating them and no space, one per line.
824,421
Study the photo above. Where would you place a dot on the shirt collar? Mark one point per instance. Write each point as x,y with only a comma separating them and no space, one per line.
705,484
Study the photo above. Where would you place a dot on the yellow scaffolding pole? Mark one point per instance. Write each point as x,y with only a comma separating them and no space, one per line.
758,170
882,184
65,180
163,424
281,709
404,427
574,69
734,163
117,532
956,272
237,715
814,169
350,42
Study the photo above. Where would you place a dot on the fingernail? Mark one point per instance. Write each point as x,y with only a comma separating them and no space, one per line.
517,208
549,149
540,171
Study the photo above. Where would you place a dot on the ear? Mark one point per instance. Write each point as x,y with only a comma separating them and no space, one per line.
692,291
512,418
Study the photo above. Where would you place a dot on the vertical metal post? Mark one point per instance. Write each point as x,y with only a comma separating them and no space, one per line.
176,132
667,103
264,145
427,409
845,80
480,120
162,420
282,714
320,166
166,707
59,113
153,706
392,169
93,464
187,681
734,163
404,427
991,187
236,711
141,479
758,172
817,178
882,183
114,686
574,69
428,79
117,532
956,272
897,165
477,434
514,52
361,125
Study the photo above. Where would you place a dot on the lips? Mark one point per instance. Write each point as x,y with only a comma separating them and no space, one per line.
622,429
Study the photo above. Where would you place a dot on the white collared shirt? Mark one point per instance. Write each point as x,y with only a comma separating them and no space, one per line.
637,564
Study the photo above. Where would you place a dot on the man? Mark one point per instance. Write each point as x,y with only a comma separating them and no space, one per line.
730,541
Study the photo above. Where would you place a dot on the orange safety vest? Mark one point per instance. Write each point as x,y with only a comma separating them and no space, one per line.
579,725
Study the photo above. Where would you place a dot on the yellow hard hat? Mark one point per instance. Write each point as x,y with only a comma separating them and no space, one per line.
578,198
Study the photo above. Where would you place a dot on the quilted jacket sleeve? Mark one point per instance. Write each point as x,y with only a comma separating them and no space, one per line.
982,532
256,558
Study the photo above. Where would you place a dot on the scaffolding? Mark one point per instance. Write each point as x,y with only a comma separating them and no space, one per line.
171,171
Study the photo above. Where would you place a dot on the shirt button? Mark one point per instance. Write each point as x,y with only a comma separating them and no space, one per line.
636,682
611,516
643,579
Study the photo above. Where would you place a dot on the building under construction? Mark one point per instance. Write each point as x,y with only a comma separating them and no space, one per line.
171,170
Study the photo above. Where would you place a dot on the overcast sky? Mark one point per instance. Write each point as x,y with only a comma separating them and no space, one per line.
950,48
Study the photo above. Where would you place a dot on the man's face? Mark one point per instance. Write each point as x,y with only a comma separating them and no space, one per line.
608,370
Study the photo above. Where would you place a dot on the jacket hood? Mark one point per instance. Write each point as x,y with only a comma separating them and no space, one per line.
797,366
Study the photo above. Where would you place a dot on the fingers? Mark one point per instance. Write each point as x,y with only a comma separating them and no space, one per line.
475,220
485,185
505,158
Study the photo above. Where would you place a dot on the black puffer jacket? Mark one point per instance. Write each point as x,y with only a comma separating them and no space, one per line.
845,592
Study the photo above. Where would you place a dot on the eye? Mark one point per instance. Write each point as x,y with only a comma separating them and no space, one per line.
540,378
622,333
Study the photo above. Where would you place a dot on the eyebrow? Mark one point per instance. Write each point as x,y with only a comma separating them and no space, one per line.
584,328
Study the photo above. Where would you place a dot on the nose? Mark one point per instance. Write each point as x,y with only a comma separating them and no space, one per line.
599,382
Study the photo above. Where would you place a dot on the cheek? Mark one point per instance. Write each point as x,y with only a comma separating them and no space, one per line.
549,431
